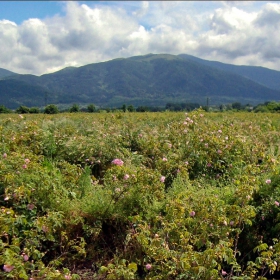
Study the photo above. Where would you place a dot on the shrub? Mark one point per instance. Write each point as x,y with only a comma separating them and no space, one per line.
22,110
51,109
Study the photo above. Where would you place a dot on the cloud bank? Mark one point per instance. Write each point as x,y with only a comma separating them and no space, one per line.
231,32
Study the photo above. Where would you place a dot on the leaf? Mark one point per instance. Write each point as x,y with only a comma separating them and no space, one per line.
132,266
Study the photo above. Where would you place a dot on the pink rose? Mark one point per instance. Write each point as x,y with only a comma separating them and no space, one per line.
8,267
192,213
117,161
162,179
148,266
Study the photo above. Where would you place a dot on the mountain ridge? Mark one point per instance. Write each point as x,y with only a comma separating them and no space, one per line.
152,79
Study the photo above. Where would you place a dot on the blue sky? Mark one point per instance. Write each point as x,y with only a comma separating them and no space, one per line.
44,36
18,11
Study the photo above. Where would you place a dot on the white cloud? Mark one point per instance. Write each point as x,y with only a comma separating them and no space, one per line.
225,31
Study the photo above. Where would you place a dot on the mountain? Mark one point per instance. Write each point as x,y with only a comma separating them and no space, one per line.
150,80
6,73
264,76
15,93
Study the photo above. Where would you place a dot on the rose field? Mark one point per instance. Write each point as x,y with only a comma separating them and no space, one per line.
140,195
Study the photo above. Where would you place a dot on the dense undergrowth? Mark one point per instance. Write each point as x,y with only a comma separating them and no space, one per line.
140,196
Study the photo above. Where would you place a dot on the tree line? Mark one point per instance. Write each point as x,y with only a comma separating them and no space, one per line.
269,106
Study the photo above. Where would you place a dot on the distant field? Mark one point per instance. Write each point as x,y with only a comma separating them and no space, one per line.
140,196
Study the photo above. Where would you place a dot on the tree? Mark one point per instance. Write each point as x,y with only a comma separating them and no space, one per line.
143,109
3,109
22,110
130,108
51,109
34,110
74,109
124,108
236,105
91,108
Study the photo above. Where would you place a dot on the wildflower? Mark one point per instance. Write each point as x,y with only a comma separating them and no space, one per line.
219,151
25,257
224,272
4,155
276,203
219,131
24,166
231,223
186,162
8,267
225,223
148,266
164,159
117,189
192,213
27,160
162,179
67,276
30,206
268,181
117,161
126,176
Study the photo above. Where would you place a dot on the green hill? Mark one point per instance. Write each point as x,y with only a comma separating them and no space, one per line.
15,93
150,80
6,73
267,77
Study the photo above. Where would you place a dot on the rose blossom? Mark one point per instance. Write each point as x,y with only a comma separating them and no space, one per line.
8,267
268,181
148,266
117,161
192,213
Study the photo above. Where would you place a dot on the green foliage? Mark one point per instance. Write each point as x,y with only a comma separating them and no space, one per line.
22,110
34,110
140,196
51,109
268,107
3,109
74,108
91,108
130,108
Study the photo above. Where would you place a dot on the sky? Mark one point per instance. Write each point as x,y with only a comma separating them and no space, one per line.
38,37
